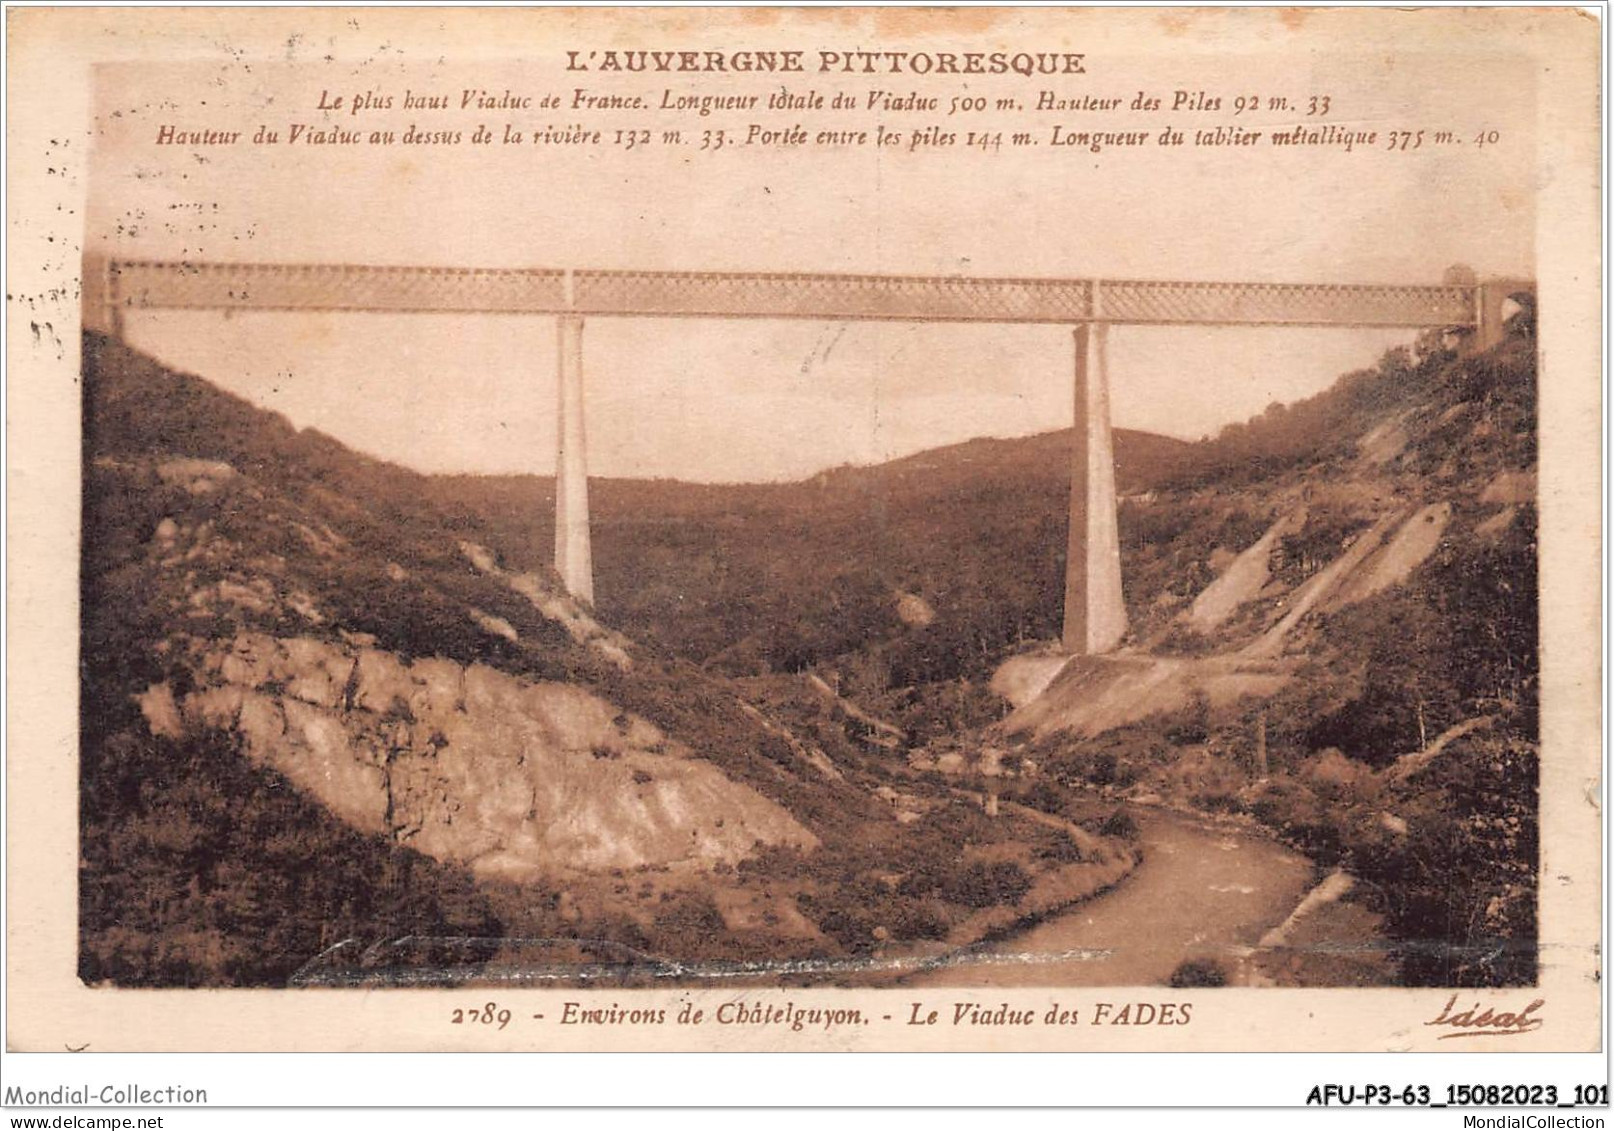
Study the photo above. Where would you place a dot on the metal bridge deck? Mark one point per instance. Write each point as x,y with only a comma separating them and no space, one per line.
180,285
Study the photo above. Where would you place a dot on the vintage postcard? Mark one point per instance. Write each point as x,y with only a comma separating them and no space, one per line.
822,529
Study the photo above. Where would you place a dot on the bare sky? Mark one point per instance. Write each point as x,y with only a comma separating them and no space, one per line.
749,401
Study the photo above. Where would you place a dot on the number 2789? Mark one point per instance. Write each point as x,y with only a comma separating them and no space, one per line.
488,1014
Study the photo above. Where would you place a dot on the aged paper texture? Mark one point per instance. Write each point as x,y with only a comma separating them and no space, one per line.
773,529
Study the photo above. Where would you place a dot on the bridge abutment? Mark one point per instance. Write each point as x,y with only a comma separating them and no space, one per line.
1490,317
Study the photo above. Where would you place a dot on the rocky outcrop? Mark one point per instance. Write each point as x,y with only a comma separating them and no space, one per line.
198,476
1094,694
1088,695
557,606
468,764
1511,487
1242,579
1020,679
1411,545
1318,588
914,611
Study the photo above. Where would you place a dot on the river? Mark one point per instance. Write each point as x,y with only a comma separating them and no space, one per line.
1200,892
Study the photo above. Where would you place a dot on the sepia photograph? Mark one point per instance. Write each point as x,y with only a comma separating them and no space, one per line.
992,712
1036,524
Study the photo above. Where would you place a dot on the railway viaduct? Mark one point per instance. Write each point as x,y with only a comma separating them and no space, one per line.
1094,615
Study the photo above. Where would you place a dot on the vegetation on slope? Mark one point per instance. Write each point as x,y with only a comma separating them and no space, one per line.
766,581
205,519
1405,748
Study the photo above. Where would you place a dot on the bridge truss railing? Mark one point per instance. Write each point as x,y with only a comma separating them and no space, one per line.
151,284
1095,615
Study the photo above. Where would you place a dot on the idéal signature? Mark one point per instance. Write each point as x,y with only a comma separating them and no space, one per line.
1488,1023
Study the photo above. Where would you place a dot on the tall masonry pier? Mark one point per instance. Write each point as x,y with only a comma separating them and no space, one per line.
574,552
1095,613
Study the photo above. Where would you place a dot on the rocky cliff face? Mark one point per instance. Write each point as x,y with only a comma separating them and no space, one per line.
1335,635
270,587
470,765
1238,580
324,707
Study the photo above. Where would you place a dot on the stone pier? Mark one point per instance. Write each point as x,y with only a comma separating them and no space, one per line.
574,555
1095,615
